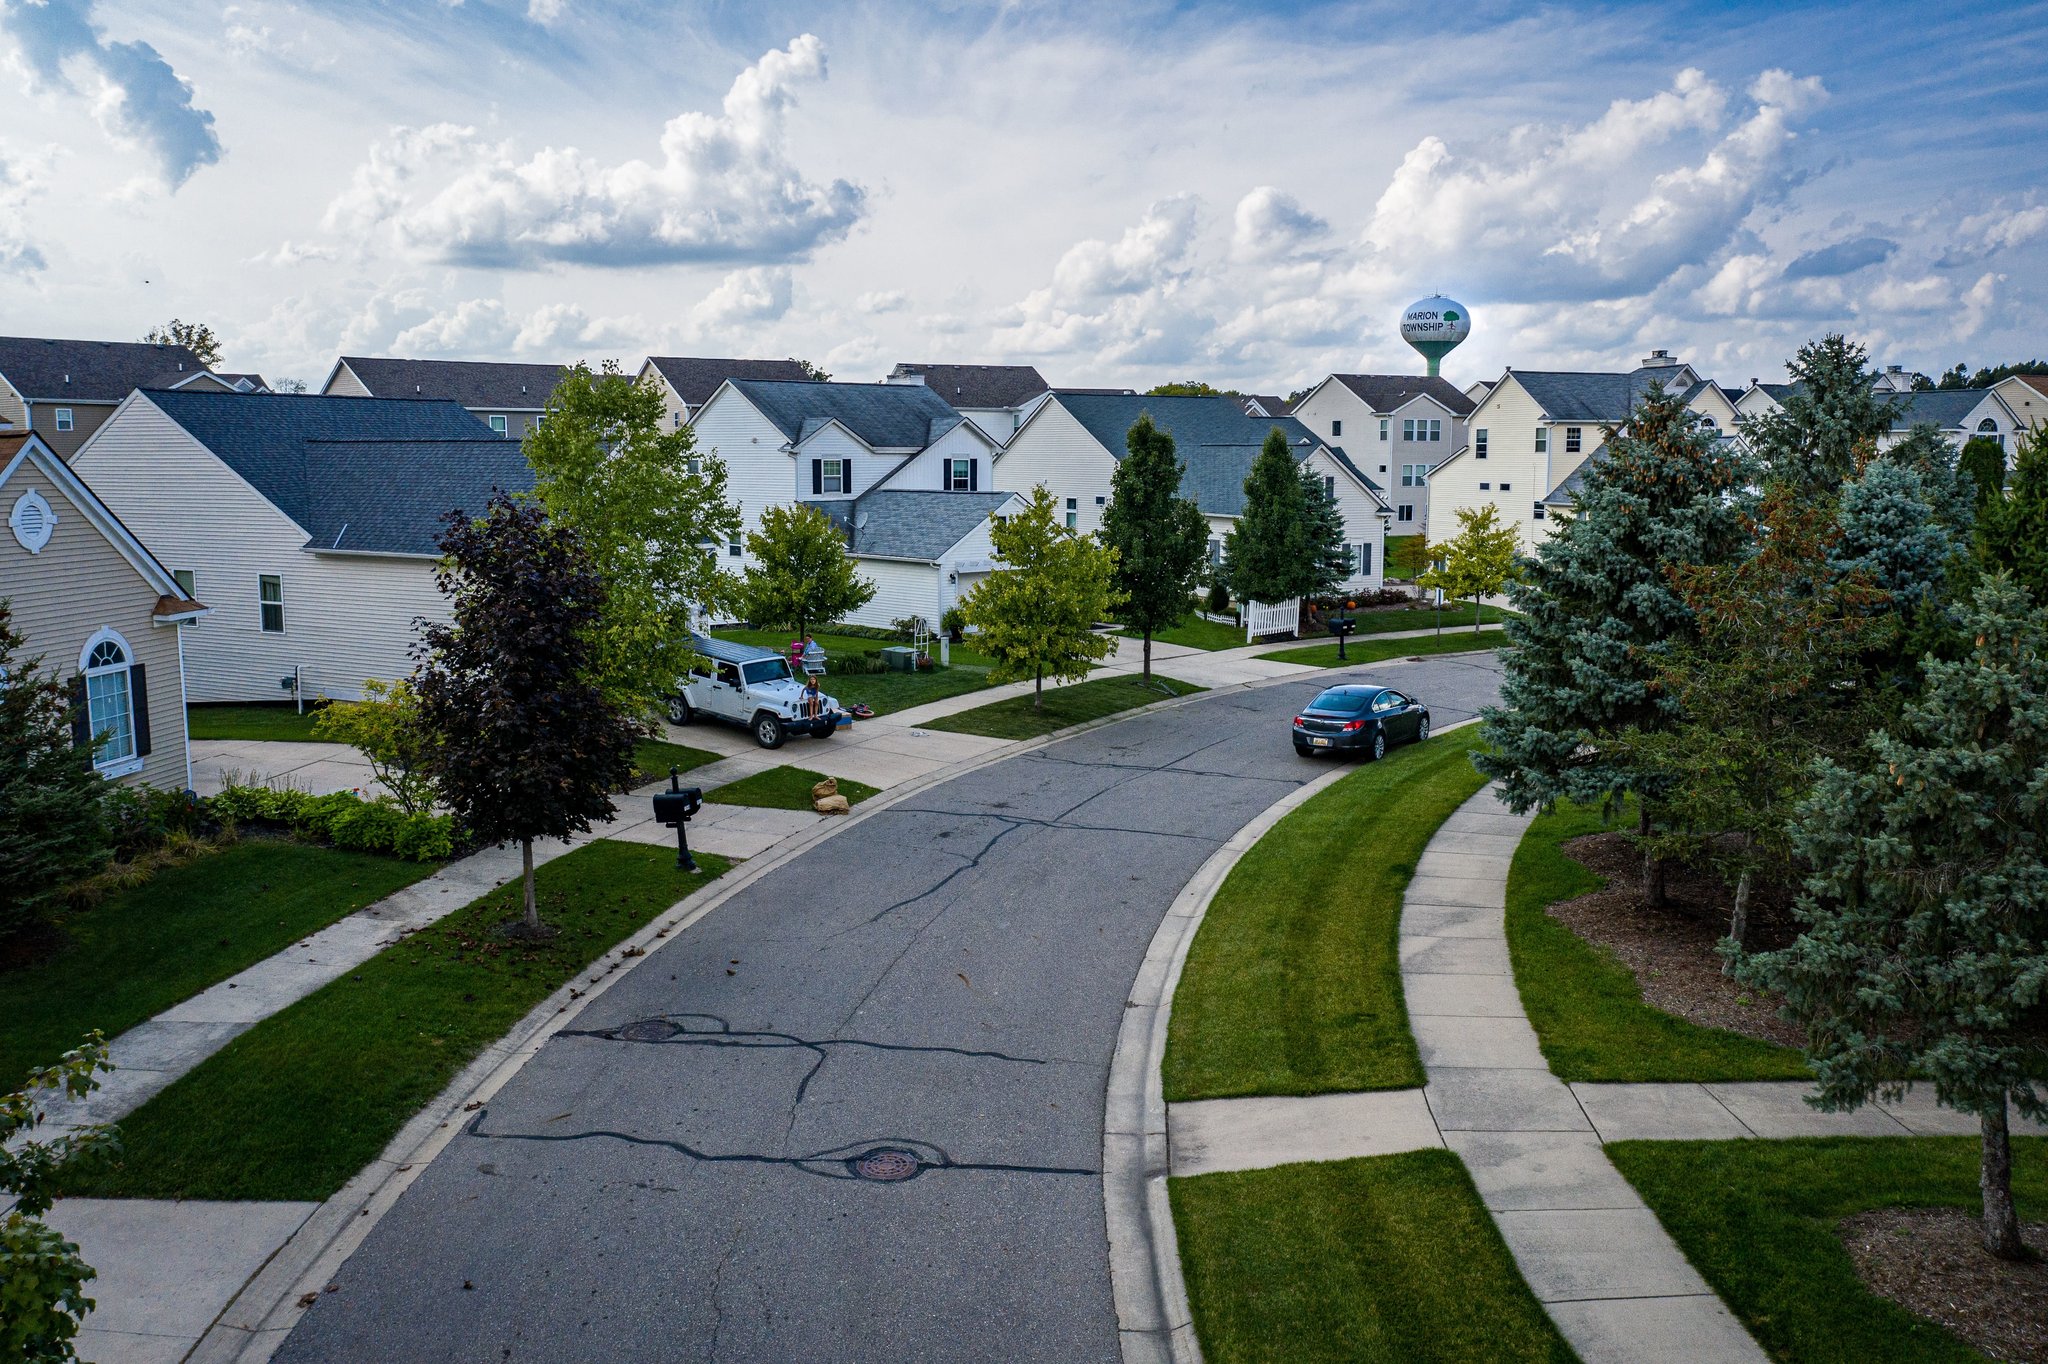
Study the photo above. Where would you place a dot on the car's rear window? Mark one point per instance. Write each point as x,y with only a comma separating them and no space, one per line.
1339,699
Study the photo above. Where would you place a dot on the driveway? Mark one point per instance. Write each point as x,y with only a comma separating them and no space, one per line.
856,1113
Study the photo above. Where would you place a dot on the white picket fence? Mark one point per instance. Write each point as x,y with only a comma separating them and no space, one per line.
1277,619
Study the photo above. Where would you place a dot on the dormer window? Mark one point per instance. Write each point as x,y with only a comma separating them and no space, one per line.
63,419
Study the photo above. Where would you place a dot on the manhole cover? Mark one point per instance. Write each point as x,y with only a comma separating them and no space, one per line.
648,1030
886,1165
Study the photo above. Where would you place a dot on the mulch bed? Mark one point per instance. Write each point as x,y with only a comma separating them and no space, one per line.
1932,1262
1670,950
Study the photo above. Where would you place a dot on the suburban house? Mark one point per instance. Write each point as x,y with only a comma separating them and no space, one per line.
1534,430
1960,414
922,549
97,607
1073,442
997,398
1262,405
2026,397
789,441
308,523
1396,426
63,390
508,398
688,381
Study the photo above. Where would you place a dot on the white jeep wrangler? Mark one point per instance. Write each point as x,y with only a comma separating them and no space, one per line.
753,688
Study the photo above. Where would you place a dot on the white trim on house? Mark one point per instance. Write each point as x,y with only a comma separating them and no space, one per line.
102,518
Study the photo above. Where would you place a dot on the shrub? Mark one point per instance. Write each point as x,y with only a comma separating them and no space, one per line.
1219,598
342,818
860,664
142,818
52,825
385,728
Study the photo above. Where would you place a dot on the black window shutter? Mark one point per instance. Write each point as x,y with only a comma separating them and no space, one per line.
945,475
817,477
138,696
974,475
846,477
81,727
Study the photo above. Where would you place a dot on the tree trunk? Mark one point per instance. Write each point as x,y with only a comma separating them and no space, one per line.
1038,690
526,857
1148,655
1475,615
1738,921
1994,1178
1653,866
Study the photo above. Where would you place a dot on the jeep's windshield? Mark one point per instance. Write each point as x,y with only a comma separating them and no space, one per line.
767,670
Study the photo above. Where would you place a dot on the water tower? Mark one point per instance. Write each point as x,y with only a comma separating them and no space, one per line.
1435,326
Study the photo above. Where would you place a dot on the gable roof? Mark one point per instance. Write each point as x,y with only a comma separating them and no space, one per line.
44,370
472,383
695,378
885,416
384,468
978,385
1574,484
172,605
908,524
1386,392
1947,408
1576,395
1266,403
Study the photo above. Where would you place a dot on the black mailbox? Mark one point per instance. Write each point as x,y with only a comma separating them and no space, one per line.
1343,625
673,808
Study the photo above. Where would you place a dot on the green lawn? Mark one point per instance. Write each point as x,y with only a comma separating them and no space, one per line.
1757,1218
1588,1011
785,788
652,759
294,1107
1014,718
1425,618
1359,651
142,950
1293,982
883,693
1197,632
1406,556
270,721
840,645
1385,1258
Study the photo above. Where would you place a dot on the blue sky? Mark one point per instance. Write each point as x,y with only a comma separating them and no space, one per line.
1118,194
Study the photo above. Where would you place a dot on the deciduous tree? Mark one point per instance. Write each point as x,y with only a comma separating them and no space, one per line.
1159,536
1035,614
52,826
1924,955
1984,461
1265,553
607,467
526,742
385,727
1476,563
196,337
42,1291
802,575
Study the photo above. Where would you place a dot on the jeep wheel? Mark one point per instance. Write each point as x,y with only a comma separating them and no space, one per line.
767,730
679,711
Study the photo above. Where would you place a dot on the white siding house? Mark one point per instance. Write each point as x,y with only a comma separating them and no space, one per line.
922,550
1395,427
306,522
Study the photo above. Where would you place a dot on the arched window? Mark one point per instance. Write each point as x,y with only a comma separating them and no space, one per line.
113,703
1988,429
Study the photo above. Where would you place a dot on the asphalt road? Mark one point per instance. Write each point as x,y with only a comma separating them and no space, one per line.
676,1177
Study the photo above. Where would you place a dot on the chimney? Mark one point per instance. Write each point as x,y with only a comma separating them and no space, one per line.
1657,359
1752,381
1894,369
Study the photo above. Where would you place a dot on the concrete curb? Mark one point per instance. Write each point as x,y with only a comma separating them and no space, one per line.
1155,1323
256,1320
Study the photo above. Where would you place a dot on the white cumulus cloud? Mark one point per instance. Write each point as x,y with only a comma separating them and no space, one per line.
20,181
755,294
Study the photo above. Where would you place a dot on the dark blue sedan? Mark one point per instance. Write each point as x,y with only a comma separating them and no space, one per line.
1359,719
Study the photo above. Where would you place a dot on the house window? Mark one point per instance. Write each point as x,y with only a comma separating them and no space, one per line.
1486,487
1414,475
1407,512
1988,429
1101,501
185,581
1435,427
1385,422
958,477
109,699
1479,443
831,475
1362,565
1537,514
1330,485
1408,428
270,603
1336,428
695,465
1507,487
732,546
1073,513
1215,551
499,423
1542,440
1572,439
63,419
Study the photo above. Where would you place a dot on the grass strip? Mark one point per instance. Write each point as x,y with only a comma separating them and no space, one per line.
1196,632
1379,1258
1757,1218
1014,718
652,759
140,951
1586,1007
295,1106
1359,651
267,723
1293,982
785,788
1427,618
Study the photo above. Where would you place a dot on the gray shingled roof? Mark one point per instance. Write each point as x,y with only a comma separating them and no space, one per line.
695,377
894,524
1574,484
473,383
1386,392
1570,395
979,385
886,416
1213,436
1267,403
1943,407
385,467
44,370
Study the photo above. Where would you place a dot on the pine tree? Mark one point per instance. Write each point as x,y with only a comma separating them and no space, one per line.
1159,536
52,831
1325,557
1600,614
1984,461
2014,536
1263,553
1036,616
1830,420
1924,954
802,575
1476,563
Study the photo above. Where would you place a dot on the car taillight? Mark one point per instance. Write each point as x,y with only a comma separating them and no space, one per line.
1353,726
1299,720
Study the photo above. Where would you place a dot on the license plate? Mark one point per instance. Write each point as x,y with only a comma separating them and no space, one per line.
1319,743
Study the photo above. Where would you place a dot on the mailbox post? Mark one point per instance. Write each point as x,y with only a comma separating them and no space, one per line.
1341,627
674,807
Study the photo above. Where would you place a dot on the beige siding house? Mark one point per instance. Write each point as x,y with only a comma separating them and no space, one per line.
64,390
307,522
688,381
100,610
